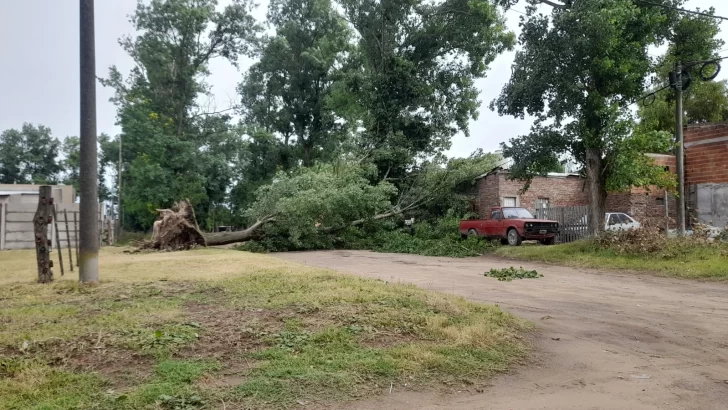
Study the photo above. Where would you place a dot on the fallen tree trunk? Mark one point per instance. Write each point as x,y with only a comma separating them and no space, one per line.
226,238
177,229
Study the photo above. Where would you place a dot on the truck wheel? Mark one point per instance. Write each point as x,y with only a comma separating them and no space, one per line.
514,239
472,232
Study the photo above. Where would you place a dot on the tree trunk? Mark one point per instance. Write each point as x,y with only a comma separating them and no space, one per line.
597,190
225,238
307,154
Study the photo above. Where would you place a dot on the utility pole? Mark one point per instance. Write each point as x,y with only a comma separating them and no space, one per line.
118,192
680,150
89,218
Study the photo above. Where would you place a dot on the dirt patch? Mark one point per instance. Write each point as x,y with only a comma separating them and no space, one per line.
123,368
606,340
228,332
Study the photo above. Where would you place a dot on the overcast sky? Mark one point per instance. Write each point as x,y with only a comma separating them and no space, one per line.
40,80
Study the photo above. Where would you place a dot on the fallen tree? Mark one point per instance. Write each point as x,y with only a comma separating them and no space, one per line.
304,209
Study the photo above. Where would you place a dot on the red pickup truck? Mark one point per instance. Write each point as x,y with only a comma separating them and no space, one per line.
511,226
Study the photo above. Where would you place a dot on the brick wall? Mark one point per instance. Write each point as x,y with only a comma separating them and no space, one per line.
706,153
488,195
643,204
560,191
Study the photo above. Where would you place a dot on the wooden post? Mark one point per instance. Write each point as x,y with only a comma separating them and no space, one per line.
43,217
75,230
68,238
58,239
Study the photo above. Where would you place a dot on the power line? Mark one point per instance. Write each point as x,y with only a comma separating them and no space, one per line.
698,13
518,11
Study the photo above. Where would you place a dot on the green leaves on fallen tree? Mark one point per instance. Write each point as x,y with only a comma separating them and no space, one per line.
311,202
508,274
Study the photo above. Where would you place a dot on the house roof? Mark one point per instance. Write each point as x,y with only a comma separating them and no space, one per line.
549,175
18,193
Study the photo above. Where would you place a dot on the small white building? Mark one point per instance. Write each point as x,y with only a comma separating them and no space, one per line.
18,204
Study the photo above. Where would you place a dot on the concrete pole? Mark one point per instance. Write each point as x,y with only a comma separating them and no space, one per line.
680,151
118,193
89,218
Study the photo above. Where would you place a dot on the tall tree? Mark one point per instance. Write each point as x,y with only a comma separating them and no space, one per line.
694,38
412,77
287,91
71,164
577,71
173,147
29,156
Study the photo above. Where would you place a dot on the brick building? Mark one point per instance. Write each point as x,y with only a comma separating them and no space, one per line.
706,172
496,189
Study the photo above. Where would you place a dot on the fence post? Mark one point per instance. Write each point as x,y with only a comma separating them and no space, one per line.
68,238
43,217
75,230
59,249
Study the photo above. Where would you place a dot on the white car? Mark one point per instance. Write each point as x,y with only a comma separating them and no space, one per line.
616,221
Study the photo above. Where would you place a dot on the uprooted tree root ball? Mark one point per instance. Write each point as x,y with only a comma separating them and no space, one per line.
177,229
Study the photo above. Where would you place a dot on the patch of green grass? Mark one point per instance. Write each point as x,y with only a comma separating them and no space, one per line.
172,385
285,333
707,262
30,384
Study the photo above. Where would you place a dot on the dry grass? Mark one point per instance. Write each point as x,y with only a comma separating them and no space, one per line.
187,329
117,266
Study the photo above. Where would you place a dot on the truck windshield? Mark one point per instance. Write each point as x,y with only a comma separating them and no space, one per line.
516,213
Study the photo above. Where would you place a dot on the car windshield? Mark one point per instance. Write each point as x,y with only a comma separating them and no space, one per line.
516,213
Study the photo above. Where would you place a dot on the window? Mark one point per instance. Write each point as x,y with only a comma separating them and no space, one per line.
542,203
625,219
613,219
516,213
660,201
495,215
509,201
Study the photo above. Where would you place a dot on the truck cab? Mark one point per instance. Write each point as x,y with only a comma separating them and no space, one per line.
512,225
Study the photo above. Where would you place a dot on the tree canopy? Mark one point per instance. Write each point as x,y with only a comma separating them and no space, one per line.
693,39
29,156
579,68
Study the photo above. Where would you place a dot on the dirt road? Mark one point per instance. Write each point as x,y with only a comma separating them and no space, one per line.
605,340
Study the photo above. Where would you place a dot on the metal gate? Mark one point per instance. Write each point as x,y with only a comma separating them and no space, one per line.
572,221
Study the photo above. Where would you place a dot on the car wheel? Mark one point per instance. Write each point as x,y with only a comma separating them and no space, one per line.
472,232
514,239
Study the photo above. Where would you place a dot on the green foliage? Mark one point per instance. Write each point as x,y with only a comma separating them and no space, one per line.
29,156
694,38
174,147
313,201
71,164
630,166
440,237
410,82
287,91
508,274
577,71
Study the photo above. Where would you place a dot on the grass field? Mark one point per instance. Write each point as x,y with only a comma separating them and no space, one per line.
694,263
225,329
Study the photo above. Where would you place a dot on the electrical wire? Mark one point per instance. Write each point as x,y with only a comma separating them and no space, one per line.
681,9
